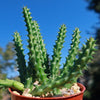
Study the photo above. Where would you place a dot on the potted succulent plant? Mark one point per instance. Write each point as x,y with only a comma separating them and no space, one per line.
41,77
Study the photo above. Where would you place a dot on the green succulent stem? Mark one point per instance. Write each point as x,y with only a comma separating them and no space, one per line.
46,70
41,44
12,84
37,51
55,62
75,71
28,20
72,52
22,68
20,57
85,55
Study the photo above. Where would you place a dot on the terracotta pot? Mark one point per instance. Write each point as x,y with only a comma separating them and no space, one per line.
72,97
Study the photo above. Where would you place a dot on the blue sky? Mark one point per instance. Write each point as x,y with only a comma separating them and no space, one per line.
50,15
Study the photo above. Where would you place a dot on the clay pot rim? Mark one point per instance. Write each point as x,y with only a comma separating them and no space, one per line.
79,84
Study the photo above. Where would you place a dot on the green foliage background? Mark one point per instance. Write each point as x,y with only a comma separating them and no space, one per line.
7,56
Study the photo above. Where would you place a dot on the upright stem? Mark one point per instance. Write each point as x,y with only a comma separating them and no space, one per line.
55,63
37,52
20,57
72,52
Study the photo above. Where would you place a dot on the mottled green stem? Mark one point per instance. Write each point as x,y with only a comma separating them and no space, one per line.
75,72
12,84
72,52
55,63
41,44
20,57
35,48
28,20
85,56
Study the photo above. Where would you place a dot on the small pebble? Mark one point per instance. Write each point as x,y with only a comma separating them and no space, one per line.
74,90
27,95
16,92
36,83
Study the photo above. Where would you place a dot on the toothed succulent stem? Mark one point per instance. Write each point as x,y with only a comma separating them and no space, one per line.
55,63
85,55
44,70
80,65
28,20
20,57
72,52
37,52
40,41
